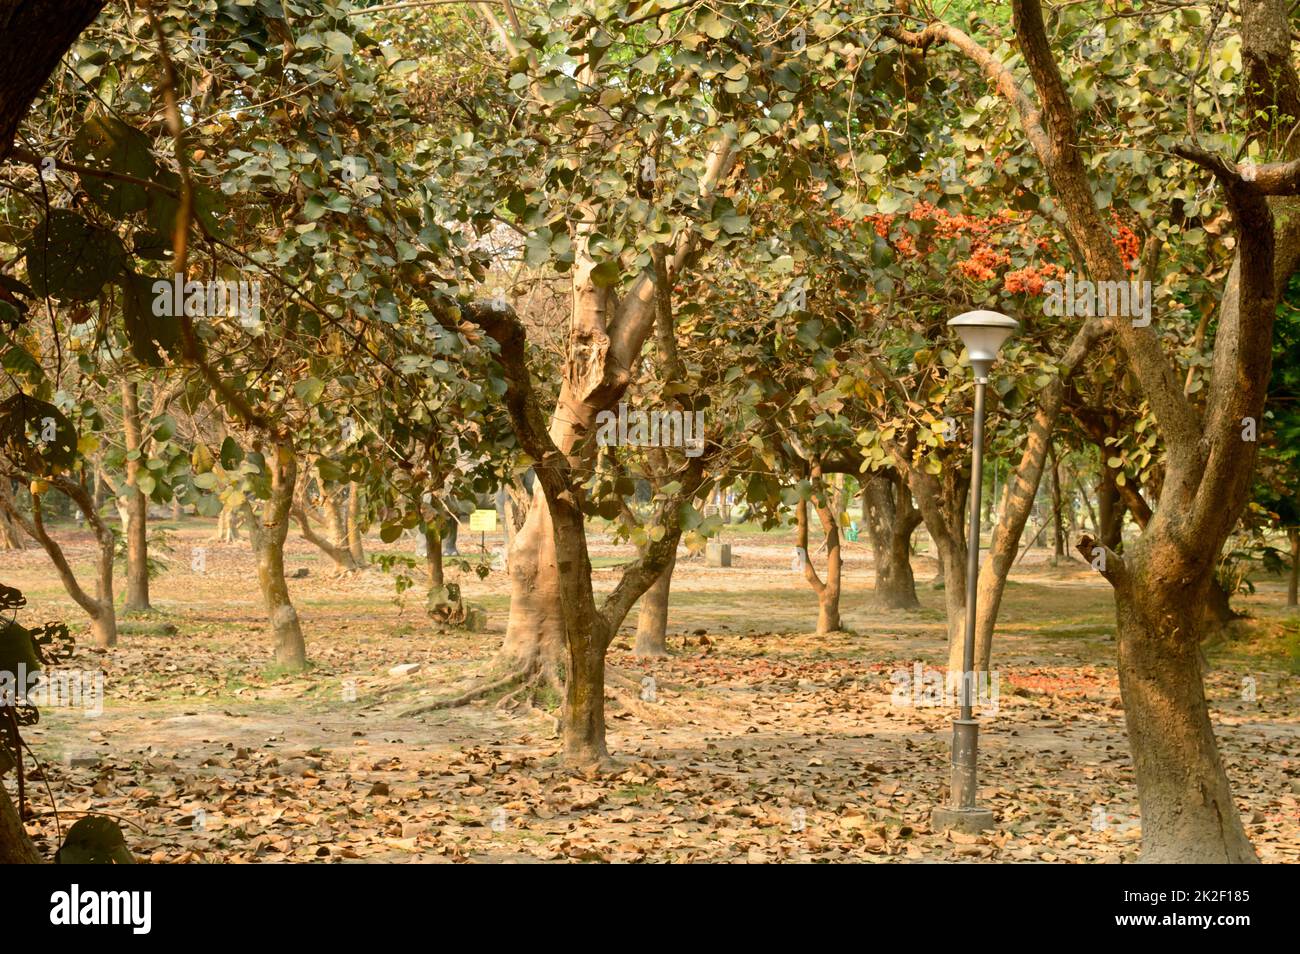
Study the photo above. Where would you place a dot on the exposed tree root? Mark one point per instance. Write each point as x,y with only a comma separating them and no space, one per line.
484,688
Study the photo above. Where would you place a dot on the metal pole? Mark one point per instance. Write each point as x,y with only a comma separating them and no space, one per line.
963,813
973,546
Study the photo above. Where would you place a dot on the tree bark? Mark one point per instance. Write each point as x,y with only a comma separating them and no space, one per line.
828,592
1293,582
269,534
433,556
11,531
652,621
891,519
33,38
1188,814
336,522
227,526
339,553
942,501
1058,523
137,504
606,337
1110,509
16,847
1161,581
586,630
356,530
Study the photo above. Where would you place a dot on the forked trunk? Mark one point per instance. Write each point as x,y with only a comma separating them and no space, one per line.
100,608
828,592
652,621
337,552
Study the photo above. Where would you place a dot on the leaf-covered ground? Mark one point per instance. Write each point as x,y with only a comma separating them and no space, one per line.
759,742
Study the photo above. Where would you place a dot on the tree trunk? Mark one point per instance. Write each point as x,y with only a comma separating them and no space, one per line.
433,555
535,630
1293,583
227,526
1058,524
137,504
336,521
34,39
269,534
1188,815
891,519
1110,508
584,697
828,592
942,502
652,621
337,552
606,336
16,847
11,531
356,532
1218,608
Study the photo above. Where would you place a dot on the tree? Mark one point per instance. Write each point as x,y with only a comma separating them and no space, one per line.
1160,582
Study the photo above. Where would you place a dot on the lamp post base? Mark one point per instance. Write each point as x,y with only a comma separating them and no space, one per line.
968,821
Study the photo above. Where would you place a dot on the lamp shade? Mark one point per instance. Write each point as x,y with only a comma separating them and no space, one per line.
983,333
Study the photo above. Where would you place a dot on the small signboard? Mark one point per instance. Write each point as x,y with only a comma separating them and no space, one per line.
483,521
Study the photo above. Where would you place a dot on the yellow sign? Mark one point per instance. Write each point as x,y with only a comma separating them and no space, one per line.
483,521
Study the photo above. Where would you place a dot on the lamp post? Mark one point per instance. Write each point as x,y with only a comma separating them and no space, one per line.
983,333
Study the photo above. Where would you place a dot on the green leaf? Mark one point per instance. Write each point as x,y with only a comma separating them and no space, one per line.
148,334
70,259
105,142
309,390
231,454
17,648
338,42
606,273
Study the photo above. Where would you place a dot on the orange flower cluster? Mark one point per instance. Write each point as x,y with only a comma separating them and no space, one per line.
989,257
1125,240
984,262
1030,280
